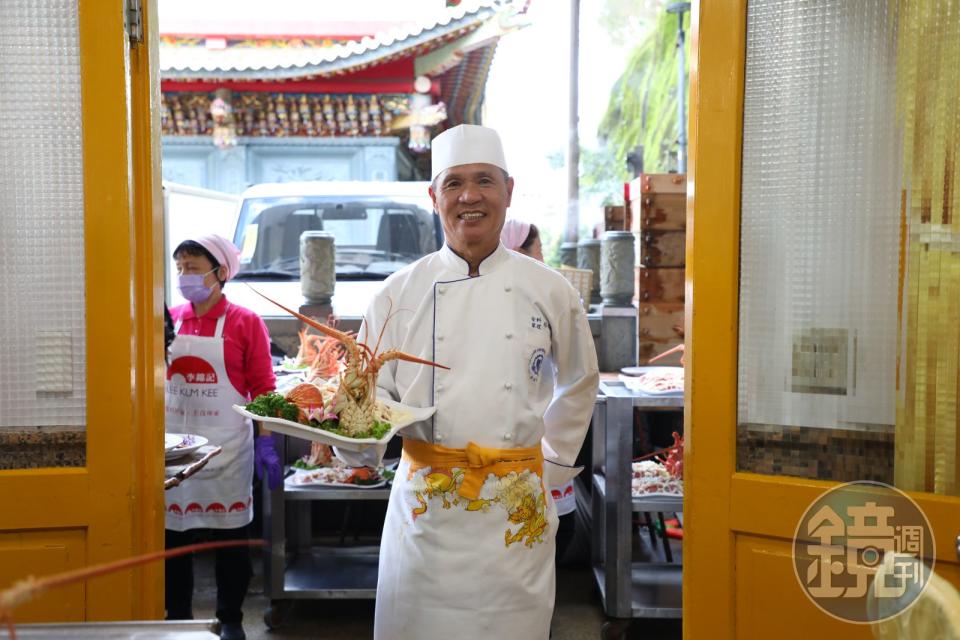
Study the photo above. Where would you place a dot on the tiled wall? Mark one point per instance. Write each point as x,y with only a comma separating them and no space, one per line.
842,455
36,447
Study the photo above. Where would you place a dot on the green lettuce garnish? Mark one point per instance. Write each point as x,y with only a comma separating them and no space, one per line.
274,405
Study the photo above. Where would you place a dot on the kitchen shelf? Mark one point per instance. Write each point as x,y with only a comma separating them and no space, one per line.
332,572
628,589
655,589
294,568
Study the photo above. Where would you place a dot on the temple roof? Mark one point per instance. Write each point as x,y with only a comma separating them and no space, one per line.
225,57
313,78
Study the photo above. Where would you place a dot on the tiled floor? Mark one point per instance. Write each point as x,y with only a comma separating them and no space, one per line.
578,614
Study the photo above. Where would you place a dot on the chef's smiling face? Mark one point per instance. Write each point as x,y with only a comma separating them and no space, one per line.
472,201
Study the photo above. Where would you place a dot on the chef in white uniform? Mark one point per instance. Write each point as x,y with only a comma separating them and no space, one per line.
468,542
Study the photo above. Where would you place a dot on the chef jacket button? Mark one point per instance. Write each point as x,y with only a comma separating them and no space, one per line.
509,335
439,387
439,338
508,436
440,291
508,385
438,437
507,288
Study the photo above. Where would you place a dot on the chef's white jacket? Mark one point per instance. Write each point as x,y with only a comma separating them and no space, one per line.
522,372
522,362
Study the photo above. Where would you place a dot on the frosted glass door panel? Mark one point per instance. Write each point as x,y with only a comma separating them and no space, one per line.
820,216
42,328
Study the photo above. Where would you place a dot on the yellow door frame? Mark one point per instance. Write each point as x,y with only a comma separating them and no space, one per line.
721,503
124,290
718,45
148,283
114,505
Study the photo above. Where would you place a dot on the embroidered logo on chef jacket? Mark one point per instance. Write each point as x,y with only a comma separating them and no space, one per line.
536,322
536,363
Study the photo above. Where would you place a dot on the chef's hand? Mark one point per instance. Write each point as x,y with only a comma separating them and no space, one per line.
267,462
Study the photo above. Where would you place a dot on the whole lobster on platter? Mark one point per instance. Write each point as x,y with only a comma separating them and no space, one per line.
356,394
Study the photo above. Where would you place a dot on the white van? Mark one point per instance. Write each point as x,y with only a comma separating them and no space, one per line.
378,227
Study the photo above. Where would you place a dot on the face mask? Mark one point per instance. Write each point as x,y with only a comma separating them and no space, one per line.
192,287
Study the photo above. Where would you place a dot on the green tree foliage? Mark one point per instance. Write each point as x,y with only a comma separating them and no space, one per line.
643,103
602,175
550,245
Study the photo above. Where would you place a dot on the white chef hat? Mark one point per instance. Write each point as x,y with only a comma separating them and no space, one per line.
466,144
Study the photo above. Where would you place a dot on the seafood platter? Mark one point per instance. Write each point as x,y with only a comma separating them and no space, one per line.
319,469
659,473
654,381
333,398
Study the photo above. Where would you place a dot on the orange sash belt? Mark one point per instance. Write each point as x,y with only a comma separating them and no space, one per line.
477,462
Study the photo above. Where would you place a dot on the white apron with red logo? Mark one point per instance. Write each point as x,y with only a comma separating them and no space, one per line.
199,399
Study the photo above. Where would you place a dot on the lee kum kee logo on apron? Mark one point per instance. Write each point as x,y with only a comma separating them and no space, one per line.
199,396
193,370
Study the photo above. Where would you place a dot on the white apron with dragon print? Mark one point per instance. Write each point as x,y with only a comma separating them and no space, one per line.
523,374
456,568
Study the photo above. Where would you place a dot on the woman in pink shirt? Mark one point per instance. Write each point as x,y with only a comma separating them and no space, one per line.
220,357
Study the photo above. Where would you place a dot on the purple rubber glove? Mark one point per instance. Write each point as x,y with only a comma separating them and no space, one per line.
267,462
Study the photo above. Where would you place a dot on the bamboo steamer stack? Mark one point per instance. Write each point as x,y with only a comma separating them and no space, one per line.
658,206
616,217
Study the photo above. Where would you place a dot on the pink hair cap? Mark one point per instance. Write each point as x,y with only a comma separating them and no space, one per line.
514,233
223,250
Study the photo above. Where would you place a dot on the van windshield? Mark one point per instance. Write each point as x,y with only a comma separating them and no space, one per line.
373,235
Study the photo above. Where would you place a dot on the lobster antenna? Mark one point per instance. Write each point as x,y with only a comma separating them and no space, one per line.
390,315
329,331
365,352
383,328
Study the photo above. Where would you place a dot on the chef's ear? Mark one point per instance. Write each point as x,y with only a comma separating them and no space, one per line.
509,189
222,274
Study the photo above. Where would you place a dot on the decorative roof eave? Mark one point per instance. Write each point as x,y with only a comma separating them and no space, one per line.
349,57
464,86
444,58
